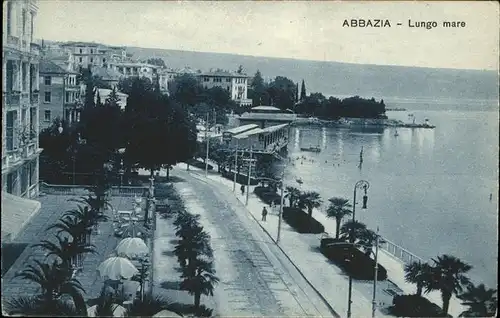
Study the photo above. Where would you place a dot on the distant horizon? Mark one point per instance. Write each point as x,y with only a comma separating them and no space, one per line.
275,57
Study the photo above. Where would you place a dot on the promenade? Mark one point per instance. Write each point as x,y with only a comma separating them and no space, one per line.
331,282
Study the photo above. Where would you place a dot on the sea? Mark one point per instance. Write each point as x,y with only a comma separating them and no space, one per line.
429,188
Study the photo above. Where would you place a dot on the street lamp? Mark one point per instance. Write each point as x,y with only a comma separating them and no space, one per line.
121,151
361,184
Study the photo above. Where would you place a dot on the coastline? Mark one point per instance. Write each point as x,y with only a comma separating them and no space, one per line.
359,122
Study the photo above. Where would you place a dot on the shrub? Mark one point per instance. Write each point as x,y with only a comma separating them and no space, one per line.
352,260
199,164
415,306
240,178
300,221
267,195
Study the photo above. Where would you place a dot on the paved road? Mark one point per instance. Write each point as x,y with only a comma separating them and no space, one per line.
256,278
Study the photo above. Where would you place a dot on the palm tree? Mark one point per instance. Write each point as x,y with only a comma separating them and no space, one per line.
448,276
338,209
77,229
199,279
194,242
310,200
33,306
67,251
482,301
418,273
96,204
293,195
357,233
149,306
55,281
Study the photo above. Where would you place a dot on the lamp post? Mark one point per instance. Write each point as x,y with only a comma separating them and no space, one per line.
250,162
235,165
361,184
208,142
374,301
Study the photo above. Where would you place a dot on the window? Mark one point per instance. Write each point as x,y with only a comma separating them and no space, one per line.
32,21
10,182
24,178
228,80
80,60
11,120
205,79
91,51
9,18
24,21
81,51
67,97
104,60
91,60
46,116
47,97
33,120
32,173
47,80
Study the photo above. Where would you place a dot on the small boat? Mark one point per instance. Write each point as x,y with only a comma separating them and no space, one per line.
311,149
299,181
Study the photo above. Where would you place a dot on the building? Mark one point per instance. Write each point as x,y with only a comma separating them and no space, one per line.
236,84
107,75
266,116
20,108
59,94
271,139
134,69
104,94
85,54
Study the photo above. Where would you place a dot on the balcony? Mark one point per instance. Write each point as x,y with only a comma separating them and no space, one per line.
35,48
34,98
13,41
13,98
25,99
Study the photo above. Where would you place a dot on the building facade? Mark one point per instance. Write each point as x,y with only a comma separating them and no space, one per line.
59,94
236,84
20,100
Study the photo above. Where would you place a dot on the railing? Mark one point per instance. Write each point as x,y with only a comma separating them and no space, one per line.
399,252
25,99
13,98
127,191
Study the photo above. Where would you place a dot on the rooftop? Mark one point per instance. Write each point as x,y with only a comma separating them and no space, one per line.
240,129
249,133
106,73
266,108
47,66
220,73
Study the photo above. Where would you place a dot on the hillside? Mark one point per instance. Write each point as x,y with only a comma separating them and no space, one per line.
343,79
410,87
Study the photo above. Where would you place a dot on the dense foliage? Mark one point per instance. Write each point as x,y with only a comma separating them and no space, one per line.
283,93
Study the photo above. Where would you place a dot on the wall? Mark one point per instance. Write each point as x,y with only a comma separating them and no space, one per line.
56,105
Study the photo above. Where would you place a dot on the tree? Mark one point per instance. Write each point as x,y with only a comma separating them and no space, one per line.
68,252
55,281
282,92
338,209
297,99
186,89
448,276
240,69
258,90
199,279
481,301
303,93
359,234
310,200
158,61
33,306
150,306
418,273
293,194
113,100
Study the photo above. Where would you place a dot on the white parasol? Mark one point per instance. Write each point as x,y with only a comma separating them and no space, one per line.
166,313
118,311
132,247
117,268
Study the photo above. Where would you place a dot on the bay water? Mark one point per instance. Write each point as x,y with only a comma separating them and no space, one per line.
429,188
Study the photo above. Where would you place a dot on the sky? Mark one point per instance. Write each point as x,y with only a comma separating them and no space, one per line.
310,30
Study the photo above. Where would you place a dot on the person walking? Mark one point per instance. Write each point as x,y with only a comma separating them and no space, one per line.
242,188
264,214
